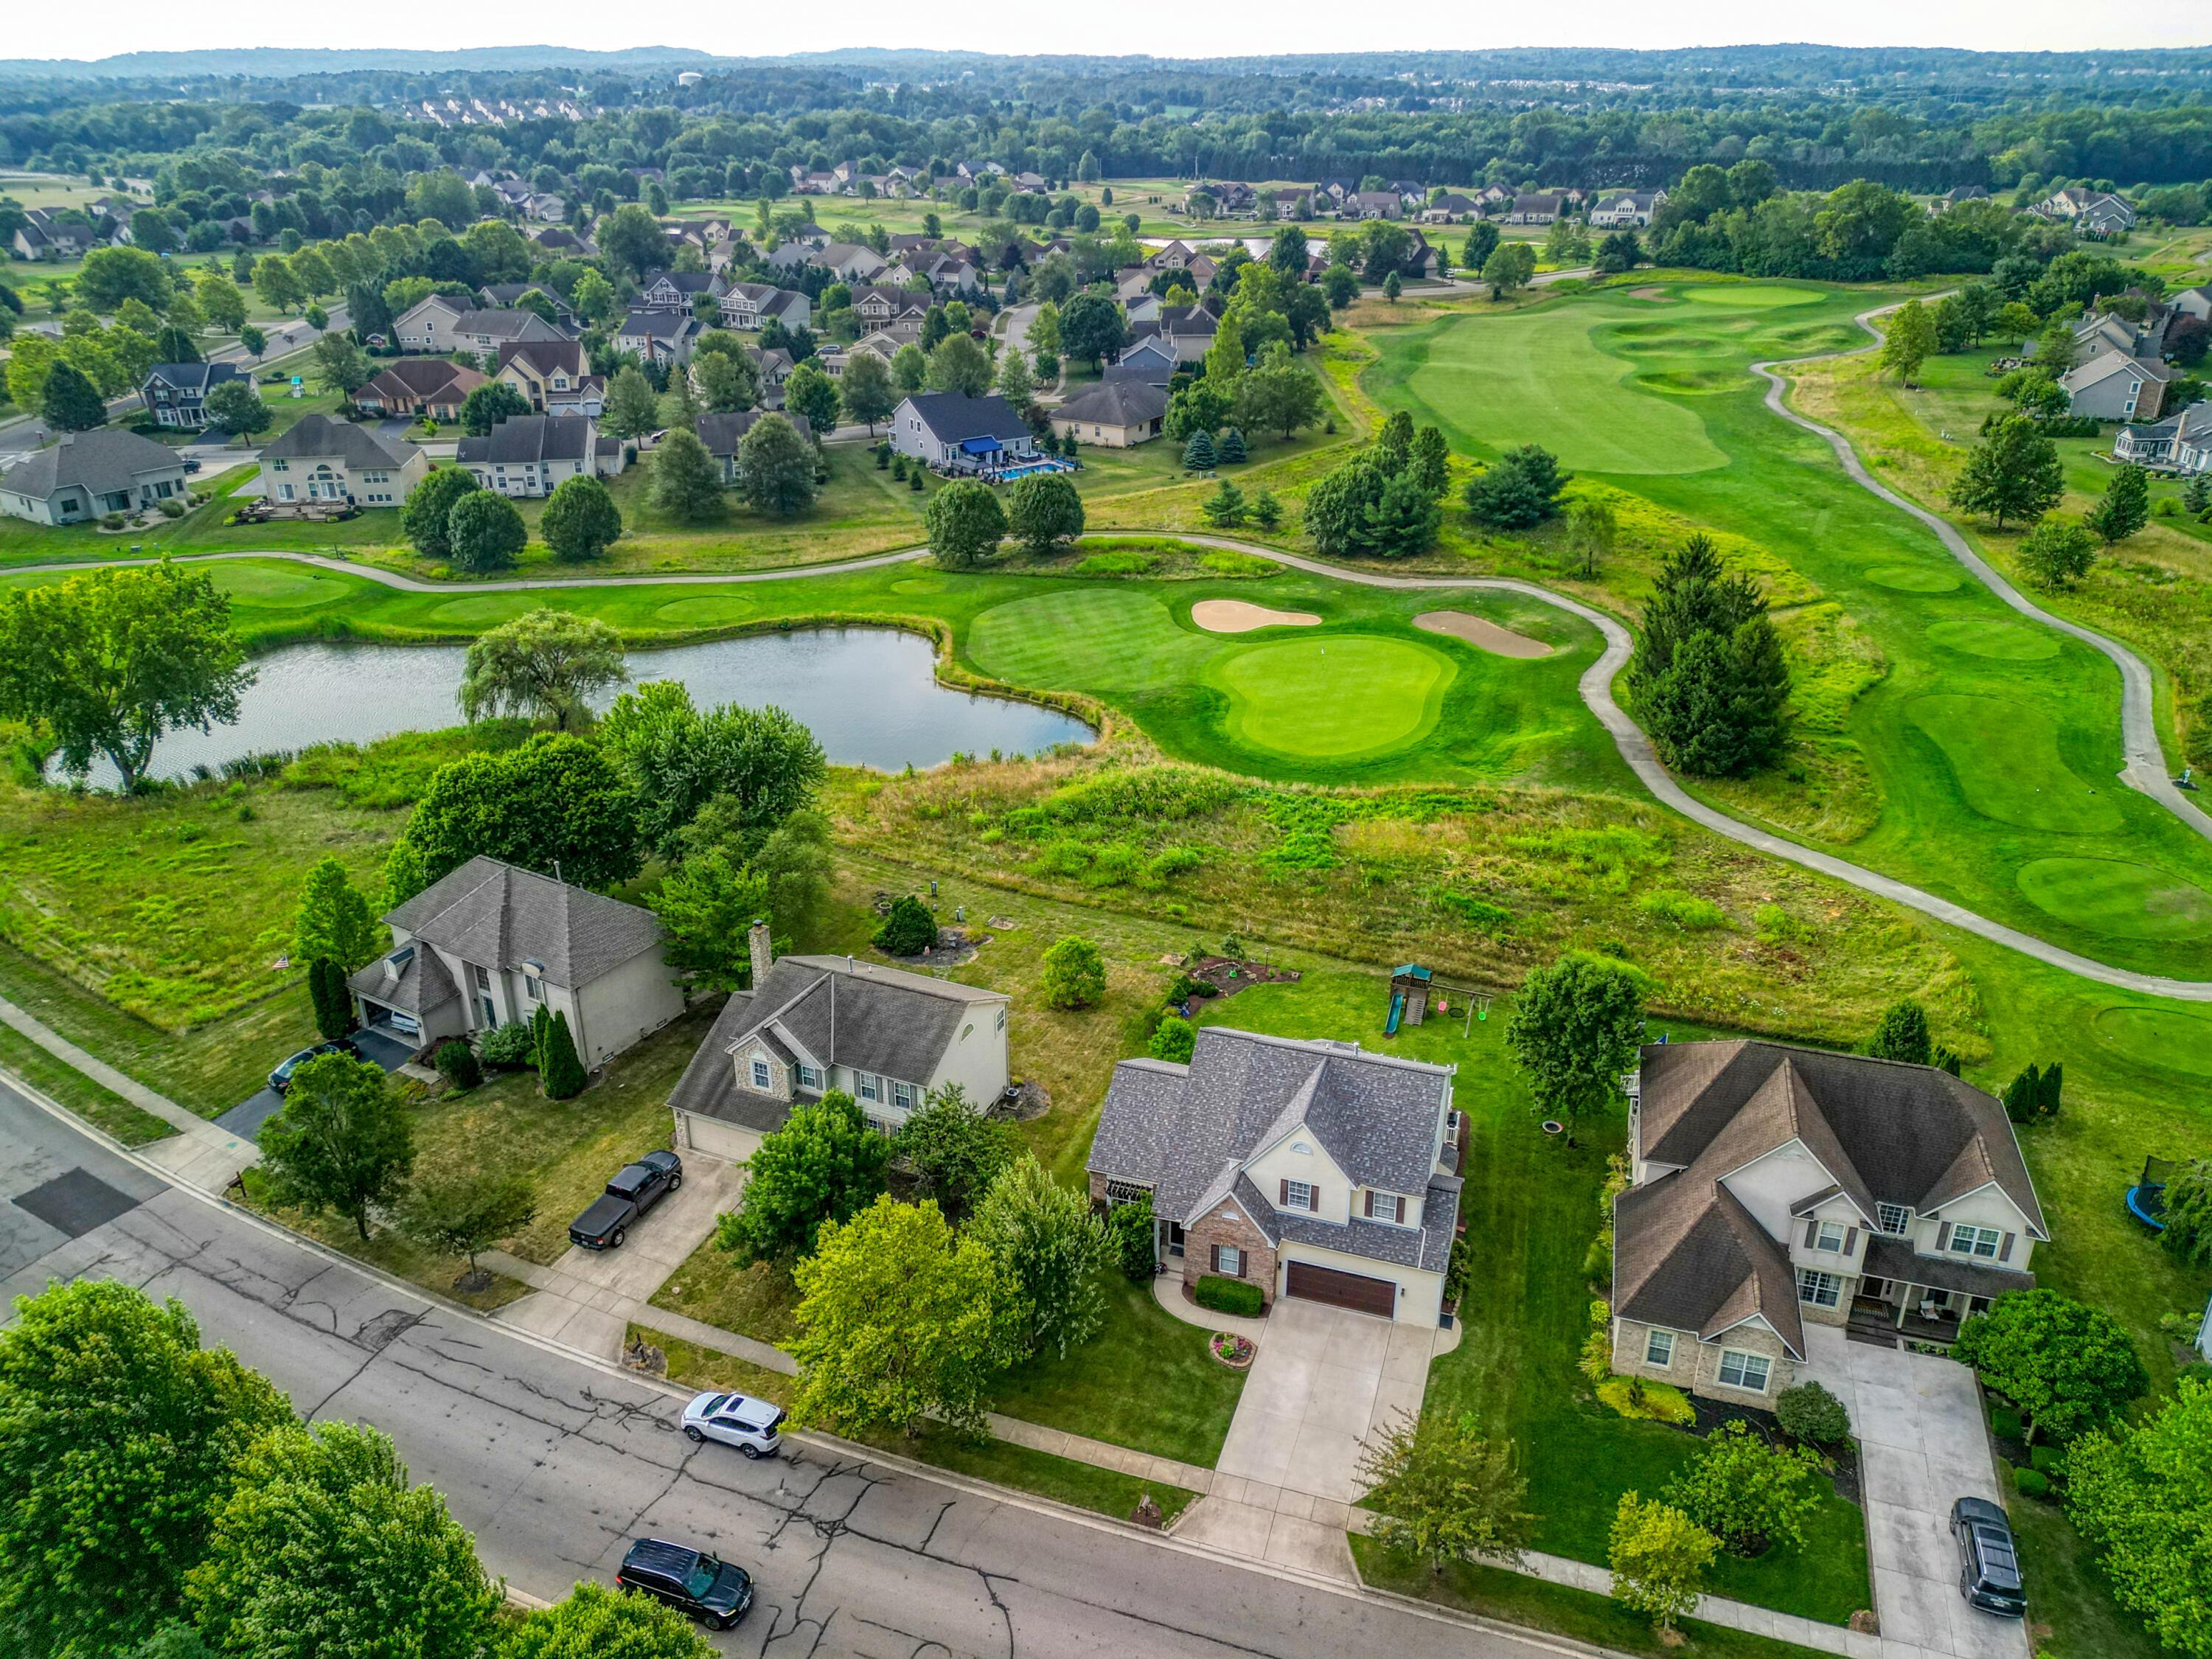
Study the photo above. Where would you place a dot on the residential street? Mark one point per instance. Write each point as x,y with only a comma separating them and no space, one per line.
555,1464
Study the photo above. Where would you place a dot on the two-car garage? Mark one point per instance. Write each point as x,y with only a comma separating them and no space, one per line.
1311,1282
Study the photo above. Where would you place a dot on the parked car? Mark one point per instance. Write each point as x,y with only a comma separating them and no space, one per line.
753,1426
1989,1564
691,1581
190,465
635,1188
281,1078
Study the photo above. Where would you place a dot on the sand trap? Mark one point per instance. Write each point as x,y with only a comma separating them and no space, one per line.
1483,635
1658,295
1240,616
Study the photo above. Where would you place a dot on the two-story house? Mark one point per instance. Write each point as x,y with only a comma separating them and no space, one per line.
747,306
442,323
320,459
677,290
1625,210
1772,1186
175,394
658,337
885,307
551,376
1314,1169
885,1036
489,944
533,455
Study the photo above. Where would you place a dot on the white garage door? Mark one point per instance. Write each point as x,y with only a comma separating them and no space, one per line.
713,1138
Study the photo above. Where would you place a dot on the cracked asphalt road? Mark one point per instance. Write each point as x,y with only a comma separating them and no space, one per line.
556,1464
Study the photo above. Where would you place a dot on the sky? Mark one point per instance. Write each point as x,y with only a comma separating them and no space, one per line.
1169,28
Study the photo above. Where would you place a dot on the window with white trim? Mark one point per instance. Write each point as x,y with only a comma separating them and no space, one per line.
1228,1262
1893,1218
1975,1241
1829,1237
871,1086
1658,1347
809,1077
903,1096
1298,1195
1744,1370
533,987
763,1077
1819,1290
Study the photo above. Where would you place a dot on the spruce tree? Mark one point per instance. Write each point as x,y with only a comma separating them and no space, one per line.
1708,678
2125,508
1231,452
560,1073
1198,455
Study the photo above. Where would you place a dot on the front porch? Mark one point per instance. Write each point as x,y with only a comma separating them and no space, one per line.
1905,1296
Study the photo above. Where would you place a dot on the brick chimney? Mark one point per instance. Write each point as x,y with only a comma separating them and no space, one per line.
758,948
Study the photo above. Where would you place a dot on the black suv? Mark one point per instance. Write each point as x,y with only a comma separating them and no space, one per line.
635,1188
691,1581
281,1078
1989,1564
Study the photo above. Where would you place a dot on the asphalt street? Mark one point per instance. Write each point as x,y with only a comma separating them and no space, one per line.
555,1464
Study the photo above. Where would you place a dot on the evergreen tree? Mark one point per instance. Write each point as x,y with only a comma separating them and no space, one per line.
1198,455
2013,472
1225,508
686,484
775,468
72,403
331,1000
1429,462
1903,1034
1708,678
1230,452
2125,508
560,1073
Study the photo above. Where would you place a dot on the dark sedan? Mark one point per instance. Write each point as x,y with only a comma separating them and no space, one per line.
281,1078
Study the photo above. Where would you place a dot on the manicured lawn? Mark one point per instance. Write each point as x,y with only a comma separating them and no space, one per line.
755,1299
388,1250
66,1087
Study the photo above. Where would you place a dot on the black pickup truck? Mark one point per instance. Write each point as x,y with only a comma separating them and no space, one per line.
636,1188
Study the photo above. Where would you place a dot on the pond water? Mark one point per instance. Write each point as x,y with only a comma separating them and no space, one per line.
870,695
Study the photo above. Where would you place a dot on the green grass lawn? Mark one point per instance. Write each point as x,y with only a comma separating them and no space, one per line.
65,1085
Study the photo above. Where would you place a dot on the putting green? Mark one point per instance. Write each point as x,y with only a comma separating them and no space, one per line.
1750,296
2004,640
1334,697
273,588
707,610
1101,640
2112,895
1913,579
2004,756
2168,1038
485,610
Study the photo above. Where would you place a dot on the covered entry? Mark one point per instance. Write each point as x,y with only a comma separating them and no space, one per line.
1356,1292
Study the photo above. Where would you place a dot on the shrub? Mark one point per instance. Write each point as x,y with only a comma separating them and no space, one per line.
1117,863
1642,1399
1240,1297
559,1072
110,521
2005,1424
1686,910
457,1064
1173,1040
170,508
1809,1413
507,1048
2047,1460
1074,974
909,930
1746,1493
2030,1483
1131,1228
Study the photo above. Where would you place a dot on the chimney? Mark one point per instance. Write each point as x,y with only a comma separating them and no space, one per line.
759,949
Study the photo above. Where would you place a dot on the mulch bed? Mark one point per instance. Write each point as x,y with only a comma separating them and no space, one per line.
1030,1100
955,947
1712,1414
1229,975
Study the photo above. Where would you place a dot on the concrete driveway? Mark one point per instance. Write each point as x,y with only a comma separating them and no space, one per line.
1918,1420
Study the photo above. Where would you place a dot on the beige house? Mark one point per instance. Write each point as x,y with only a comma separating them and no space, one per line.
491,944
1114,414
320,459
885,1036
552,376
1774,1186
1312,1170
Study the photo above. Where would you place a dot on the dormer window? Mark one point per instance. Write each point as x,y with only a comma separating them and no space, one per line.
1385,1207
763,1077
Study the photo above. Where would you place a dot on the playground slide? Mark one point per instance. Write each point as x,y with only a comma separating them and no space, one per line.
1397,1013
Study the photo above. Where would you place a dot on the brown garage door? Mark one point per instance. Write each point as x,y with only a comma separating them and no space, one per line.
1354,1291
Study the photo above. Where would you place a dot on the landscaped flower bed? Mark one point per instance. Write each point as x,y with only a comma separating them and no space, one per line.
1234,1351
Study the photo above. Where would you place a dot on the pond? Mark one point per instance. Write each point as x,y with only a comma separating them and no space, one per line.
871,696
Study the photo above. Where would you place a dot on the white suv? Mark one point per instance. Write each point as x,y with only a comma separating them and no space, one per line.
736,1419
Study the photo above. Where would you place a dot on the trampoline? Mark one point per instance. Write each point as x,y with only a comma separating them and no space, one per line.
2147,1198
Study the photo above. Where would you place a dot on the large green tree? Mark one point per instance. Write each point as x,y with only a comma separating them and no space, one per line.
488,404
342,1142
1574,1029
957,363
333,922
866,391
235,407
965,523
824,1166
324,1551
2141,1495
775,468
595,1622
2124,507
1091,326
1747,1494
899,1321
810,392
1055,1250
484,533
706,905
1044,511
557,799
460,1209
1276,395
109,660
109,276
1709,678
2068,1366
580,520
1517,491
951,1150
761,763
633,407
71,402
426,518
544,665
687,485
2057,554
118,1435
2012,472
1442,1493
1909,341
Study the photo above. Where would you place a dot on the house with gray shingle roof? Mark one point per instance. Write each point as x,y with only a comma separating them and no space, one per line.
489,944
885,1036
320,459
532,455
1315,1170
1773,1186
1116,413
89,473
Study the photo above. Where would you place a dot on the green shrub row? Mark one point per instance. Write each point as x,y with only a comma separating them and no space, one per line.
1240,1297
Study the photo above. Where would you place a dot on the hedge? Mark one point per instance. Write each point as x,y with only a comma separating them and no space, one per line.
1229,1296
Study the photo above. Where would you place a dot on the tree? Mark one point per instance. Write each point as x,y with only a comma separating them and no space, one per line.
1225,508
557,799
910,370
965,523
822,1167
323,1549
253,340
795,861
1442,1492
594,1622
1267,511
333,922
1482,240
2012,472
1393,286
750,767
1016,381
542,664
2124,507
107,661
1748,1494
341,1142
2056,554
865,390
2141,1495
686,484
2068,1366
340,365
1619,252
1198,454
1044,511
1659,1557
1225,358
488,404
2187,1209
631,239
909,927
580,520
72,403
560,1069
899,1321
1277,396
953,1151
485,532
235,407
1519,490
633,407
1508,269
462,1209
426,519
1173,1040
1909,341
119,1434
109,276
1574,1028
1709,676
810,392
728,381
1592,530
1338,286
1074,974
958,364
329,997
2054,350
706,905
1902,1034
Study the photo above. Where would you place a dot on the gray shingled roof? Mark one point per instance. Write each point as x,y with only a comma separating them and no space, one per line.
499,915
412,979
522,439
722,433
954,417
202,378
502,323
318,437
103,461
1125,401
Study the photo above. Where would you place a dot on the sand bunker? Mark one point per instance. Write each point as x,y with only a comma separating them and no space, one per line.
1239,617
1659,294
1483,635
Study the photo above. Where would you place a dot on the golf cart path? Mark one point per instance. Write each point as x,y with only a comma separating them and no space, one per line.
1596,688
2145,771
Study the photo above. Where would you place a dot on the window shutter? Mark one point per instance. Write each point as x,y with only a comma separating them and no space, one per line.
1370,1209
1398,1208
1850,1240
1942,1234
1811,1233
1213,1258
2004,1250
1283,1196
